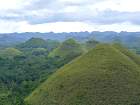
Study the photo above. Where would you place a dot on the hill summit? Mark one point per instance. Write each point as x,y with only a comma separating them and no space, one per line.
68,49
39,43
33,43
106,75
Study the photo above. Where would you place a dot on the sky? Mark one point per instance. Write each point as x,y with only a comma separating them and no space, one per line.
69,15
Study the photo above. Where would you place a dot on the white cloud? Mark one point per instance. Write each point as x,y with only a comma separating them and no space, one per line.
13,4
118,5
56,27
10,4
69,15
64,27
9,26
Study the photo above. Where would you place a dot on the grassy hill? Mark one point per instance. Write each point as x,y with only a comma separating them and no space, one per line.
106,75
128,53
69,48
33,43
39,43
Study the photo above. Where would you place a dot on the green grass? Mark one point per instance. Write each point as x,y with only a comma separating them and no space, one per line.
106,75
68,48
128,53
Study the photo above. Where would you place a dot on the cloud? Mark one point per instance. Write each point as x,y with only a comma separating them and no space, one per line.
78,15
39,11
113,17
99,12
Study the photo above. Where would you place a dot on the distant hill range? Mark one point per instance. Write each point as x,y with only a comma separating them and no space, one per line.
108,36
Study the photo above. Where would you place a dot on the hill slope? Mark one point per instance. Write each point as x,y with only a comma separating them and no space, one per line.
128,53
103,76
69,48
10,52
33,43
39,43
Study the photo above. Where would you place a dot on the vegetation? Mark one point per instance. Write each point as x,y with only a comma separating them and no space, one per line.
45,72
106,75
24,67
38,43
90,44
69,49
10,52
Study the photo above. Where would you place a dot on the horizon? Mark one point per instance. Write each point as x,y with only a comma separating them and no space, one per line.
71,32
69,16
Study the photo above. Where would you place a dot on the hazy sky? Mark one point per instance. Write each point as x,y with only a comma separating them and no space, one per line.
69,15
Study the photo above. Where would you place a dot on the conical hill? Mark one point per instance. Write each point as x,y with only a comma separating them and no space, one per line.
103,76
